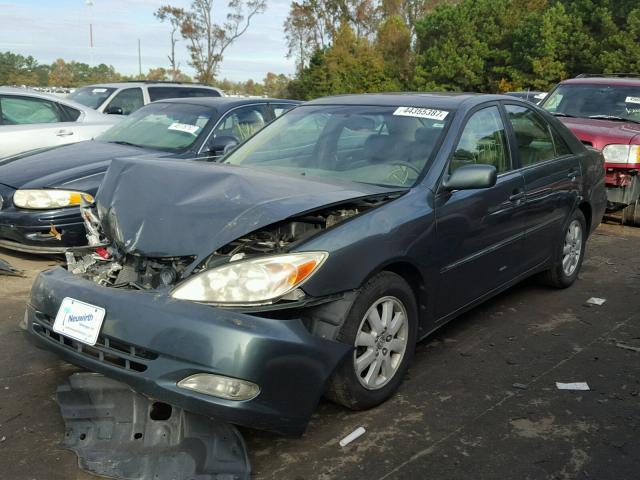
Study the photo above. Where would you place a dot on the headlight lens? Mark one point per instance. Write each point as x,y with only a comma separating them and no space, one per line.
621,153
256,281
46,199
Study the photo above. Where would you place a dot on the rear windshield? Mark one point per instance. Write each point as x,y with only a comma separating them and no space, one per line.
595,101
161,126
91,97
162,93
387,146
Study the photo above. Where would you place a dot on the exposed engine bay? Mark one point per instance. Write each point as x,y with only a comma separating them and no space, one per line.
104,263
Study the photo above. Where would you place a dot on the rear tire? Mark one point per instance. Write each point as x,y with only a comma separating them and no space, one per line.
569,253
631,214
382,325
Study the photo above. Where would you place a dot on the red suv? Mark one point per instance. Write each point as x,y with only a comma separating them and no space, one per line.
603,111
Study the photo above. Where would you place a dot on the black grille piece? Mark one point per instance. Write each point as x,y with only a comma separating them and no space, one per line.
107,350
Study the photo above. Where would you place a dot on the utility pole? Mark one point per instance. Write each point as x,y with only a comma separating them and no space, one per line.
139,60
89,4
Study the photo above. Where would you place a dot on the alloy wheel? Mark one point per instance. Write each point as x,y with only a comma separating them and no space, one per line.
381,342
572,248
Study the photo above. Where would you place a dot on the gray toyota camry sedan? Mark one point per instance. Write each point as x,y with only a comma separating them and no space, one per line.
311,259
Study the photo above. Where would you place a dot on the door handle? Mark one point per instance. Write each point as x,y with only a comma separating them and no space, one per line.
64,133
572,175
517,196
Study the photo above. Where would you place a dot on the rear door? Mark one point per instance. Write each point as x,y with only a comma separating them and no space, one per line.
479,232
552,177
27,123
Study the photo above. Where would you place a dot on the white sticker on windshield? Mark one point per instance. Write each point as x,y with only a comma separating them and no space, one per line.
184,127
420,112
632,100
98,90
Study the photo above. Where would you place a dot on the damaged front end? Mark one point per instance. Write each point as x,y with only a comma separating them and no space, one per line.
107,264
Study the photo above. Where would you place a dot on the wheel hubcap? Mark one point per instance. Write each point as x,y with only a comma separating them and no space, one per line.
572,248
380,343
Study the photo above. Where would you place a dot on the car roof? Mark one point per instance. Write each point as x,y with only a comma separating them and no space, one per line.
225,102
444,100
27,92
150,84
613,81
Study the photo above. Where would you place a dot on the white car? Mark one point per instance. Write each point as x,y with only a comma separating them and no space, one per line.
31,120
123,98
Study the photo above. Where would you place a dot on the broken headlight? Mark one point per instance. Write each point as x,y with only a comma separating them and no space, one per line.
258,281
45,199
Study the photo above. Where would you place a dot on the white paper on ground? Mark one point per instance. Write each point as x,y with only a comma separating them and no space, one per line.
352,436
596,301
572,386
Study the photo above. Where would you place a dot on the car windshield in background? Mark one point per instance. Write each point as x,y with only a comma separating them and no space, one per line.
161,126
91,97
388,146
595,101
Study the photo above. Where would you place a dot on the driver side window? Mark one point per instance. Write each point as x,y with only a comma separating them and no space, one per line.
128,101
483,141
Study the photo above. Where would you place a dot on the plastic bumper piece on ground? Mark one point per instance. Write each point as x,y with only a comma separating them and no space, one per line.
120,434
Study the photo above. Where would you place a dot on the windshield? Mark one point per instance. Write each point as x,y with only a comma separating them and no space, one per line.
91,97
388,146
595,101
161,126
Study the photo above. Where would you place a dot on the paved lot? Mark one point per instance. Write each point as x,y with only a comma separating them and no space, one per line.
457,414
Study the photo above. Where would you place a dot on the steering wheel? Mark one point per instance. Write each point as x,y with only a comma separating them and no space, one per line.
401,174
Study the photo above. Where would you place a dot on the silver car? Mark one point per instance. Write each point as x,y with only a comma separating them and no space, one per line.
31,120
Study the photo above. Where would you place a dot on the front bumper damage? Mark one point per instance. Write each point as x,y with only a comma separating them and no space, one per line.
151,342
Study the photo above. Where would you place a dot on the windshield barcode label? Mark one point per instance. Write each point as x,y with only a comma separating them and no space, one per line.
420,112
632,100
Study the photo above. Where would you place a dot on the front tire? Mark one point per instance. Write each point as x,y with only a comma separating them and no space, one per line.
382,326
569,253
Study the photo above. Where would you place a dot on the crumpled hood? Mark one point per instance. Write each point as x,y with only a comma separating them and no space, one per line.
166,208
58,167
601,133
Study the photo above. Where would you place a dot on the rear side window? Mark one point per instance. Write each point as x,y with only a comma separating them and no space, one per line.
560,145
533,135
71,114
483,141
20,110
162,93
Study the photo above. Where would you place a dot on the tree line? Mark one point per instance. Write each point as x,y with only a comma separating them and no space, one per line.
353,46
18,70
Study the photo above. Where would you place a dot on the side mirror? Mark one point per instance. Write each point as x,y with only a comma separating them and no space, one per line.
222,145
469,177
114,110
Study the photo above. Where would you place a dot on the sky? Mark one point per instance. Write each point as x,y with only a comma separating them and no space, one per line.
52,29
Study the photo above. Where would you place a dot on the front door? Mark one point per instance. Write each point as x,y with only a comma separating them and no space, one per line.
479,232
